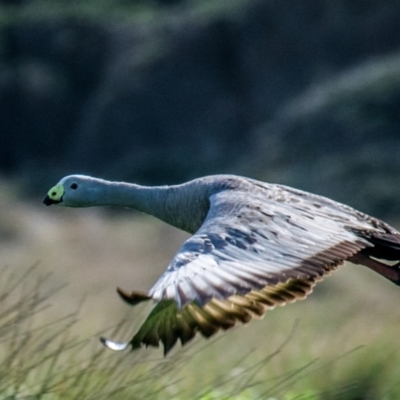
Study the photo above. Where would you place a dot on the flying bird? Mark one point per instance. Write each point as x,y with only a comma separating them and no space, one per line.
254,246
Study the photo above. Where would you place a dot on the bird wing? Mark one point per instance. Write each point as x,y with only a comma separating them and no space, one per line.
248,242
254,251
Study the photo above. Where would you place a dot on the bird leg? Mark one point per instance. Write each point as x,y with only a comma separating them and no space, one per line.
391,272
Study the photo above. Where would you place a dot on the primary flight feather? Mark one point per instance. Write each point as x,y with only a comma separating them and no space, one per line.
254,246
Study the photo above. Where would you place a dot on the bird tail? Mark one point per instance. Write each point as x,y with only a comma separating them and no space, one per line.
386,247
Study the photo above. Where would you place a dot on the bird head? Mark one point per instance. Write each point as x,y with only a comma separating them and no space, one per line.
72,191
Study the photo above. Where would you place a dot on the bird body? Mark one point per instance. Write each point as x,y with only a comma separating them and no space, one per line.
255,245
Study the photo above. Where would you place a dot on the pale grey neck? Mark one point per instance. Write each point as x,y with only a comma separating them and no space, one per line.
181,206
121,194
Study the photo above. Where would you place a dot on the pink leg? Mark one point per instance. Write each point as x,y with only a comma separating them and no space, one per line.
389,272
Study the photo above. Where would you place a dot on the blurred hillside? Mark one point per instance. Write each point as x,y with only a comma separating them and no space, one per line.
301,93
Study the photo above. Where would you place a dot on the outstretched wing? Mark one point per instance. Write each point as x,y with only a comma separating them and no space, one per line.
253,252
246,244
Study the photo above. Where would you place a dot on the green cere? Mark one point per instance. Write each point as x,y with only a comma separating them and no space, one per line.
56,193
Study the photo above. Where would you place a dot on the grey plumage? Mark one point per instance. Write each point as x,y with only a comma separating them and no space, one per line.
254,246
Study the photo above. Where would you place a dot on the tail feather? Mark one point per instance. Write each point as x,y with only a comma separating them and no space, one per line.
386,247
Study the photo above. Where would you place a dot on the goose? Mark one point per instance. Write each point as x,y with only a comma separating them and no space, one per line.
254,246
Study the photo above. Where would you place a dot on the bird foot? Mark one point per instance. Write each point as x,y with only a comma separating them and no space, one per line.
396,268
391,272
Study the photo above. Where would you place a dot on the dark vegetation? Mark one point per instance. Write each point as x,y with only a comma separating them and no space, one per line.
303,93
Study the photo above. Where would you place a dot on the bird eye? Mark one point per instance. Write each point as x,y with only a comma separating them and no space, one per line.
74,186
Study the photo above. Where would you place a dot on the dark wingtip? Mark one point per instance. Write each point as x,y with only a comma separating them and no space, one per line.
132,298
169,343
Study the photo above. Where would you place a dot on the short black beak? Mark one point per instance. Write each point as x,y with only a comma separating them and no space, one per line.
48,201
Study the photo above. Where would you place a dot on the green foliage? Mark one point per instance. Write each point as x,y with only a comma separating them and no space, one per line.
45,359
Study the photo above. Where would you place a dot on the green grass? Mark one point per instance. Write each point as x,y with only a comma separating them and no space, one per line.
49,361
43,361
341,343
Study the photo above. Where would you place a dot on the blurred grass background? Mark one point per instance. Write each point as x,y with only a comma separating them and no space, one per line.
339,343
157,92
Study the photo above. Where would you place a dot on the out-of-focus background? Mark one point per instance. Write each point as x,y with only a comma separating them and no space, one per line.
302,93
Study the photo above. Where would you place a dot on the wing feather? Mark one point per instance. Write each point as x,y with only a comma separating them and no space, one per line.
240,248
252,253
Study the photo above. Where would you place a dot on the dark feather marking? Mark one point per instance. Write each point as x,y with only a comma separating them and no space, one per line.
386,246
227,306
248,304
134,297
262,298
224,319
205,325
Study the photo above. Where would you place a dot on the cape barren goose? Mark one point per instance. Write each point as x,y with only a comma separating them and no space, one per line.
255,245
